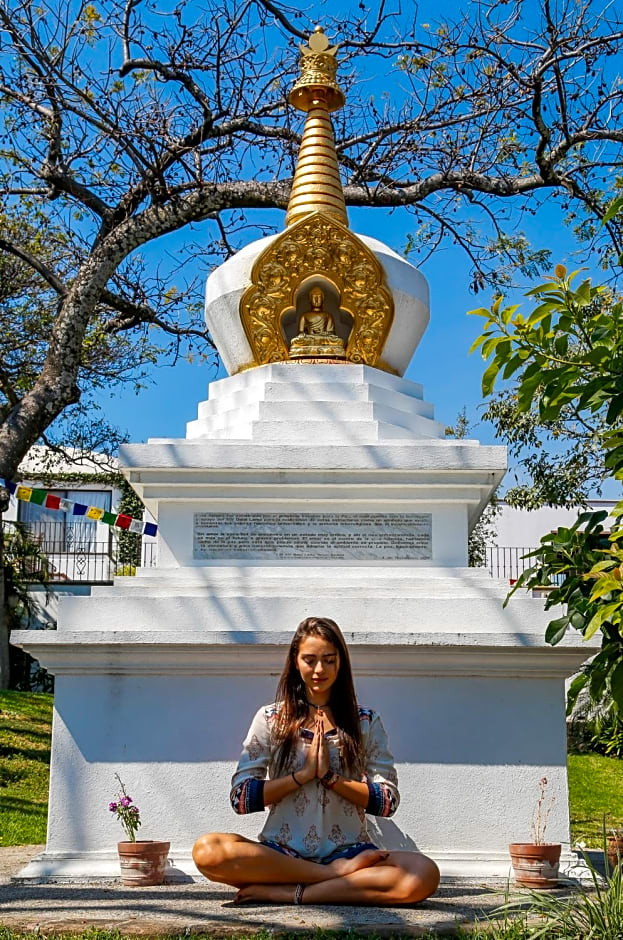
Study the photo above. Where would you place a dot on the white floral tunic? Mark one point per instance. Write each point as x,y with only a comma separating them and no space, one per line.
314,821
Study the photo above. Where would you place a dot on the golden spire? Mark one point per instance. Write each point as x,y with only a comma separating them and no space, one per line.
317,186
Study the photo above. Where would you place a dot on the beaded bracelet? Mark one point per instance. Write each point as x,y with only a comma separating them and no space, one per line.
330,779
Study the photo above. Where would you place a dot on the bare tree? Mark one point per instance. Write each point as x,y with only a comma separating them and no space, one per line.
123,123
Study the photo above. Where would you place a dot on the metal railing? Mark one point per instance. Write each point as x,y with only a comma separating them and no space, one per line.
504,561
70,553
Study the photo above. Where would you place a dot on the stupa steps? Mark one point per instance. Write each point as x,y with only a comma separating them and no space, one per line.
280,573
281,398
305,431
315,379
338,410
301,392
204,613
325,581
367,420
496,589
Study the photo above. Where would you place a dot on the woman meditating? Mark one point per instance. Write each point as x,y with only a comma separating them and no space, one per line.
328,764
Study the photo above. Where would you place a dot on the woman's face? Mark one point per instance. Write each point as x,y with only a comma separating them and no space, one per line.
318,662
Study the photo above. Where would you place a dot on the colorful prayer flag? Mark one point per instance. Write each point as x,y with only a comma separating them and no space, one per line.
40,497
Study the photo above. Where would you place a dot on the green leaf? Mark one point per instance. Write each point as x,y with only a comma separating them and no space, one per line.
604,613
504,350
616,686
540,313
477,342
604,586
527,389
507,313
547,287
582,295
511,366
615,409
590,520
480,312
598,673
613,209
556,629
614,459
600,566
489,377
575,688
490,344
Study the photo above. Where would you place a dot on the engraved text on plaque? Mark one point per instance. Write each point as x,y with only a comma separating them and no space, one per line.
369,536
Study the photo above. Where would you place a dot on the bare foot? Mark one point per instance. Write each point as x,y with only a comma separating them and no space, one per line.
271,894
346,866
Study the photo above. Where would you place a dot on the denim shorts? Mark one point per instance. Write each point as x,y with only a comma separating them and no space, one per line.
347,851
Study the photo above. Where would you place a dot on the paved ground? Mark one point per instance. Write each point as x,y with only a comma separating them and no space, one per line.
200,908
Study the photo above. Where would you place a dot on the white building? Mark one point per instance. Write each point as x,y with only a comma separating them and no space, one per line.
81,552
519,531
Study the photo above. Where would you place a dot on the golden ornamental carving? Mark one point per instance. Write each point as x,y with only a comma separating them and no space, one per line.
318,65
317,246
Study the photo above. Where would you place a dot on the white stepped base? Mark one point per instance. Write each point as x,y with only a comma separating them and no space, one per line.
328,580
356,614
295,403
260,598
455,866
299,392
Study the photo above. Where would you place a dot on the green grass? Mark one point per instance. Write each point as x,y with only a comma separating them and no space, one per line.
25,730
595,789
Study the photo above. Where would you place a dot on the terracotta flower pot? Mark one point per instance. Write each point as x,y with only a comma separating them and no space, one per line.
535,866
143,862
615,850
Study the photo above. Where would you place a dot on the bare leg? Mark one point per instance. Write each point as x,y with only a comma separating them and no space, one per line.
231,859
403,878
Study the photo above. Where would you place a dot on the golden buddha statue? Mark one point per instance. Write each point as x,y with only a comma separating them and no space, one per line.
317,337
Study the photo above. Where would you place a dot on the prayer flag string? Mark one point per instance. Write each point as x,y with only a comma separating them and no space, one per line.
31,494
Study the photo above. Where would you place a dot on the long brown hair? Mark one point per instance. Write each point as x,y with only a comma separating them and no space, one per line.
292,698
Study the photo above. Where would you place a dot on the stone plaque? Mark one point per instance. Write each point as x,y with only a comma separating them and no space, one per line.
369,536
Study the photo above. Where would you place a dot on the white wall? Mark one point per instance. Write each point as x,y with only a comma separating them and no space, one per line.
524,528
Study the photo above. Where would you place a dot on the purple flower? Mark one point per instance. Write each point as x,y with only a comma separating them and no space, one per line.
126,800
134,809
112,807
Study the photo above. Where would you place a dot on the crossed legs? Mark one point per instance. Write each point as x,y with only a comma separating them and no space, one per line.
262,874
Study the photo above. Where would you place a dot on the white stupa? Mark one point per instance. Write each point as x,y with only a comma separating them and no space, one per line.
314,481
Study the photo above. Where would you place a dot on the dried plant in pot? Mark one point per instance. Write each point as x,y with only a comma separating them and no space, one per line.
143,862
614,847
536,863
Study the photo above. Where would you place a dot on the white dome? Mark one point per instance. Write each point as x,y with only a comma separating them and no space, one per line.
226,285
